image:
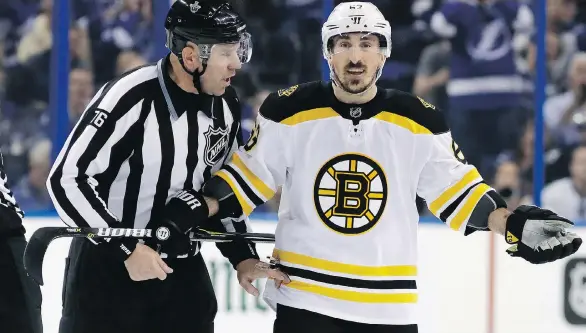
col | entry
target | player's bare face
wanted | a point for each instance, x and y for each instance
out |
(221, 68)
(355, 60)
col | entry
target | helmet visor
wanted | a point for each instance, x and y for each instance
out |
(241, 50)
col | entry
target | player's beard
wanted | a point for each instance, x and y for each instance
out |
(353, 86)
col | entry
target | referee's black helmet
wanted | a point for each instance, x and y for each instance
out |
(206, 23)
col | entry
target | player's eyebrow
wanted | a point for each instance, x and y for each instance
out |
(367, 37)
(344, 36)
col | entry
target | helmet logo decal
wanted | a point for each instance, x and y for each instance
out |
(356, 19)
(194, 7)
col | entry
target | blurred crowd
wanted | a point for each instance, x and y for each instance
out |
(474, 59)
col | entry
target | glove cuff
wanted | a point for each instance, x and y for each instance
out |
(187, 210)
(241, 251)
(122, 248)
(514, 228)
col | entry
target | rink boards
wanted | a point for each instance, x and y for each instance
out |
(465, 286)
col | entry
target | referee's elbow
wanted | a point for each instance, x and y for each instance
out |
(51, 179)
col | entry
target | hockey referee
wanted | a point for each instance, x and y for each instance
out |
(136, 159)
(20, 296)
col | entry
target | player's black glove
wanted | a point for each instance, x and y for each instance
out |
(183, 212)
(539, 235)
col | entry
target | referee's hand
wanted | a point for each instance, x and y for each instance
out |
(145, 264)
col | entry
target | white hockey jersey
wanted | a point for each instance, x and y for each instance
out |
(347, 229)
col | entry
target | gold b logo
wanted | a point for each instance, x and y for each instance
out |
(350, 193)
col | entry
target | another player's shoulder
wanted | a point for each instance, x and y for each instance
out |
(415, 109)
(286, 103)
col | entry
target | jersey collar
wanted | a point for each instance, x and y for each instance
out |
(178, 100)
(355, 112)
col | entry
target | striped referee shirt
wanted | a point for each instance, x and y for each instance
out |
(10, 213)
(141, 140)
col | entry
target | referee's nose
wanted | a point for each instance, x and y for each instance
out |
(235, 63)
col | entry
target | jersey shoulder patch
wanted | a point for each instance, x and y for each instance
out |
(285, 103)
(416, 109)
(287, 92)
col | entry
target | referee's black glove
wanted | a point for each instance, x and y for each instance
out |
(539, 235)
(183, 212)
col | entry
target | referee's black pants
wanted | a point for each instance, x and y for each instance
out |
(292, 320)
(100, 297)
(20, 296)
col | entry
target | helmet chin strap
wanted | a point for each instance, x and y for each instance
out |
(195, 75)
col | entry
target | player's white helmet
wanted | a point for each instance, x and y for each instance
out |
(350, 17)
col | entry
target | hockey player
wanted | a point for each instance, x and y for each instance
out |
(20, 296)
(143, 147)
(351, 158)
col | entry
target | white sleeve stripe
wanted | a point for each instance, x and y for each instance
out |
(74, 196)
(122, 86)
(87, 193)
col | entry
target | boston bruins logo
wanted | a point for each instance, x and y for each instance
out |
(350, 193)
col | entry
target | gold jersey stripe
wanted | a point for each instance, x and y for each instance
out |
(309, 115)
(353, 296)
(401, 121)
(468, 206)
(246, 207)
(448, 194)
(254, 180)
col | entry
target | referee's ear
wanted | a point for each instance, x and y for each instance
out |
(191, 59)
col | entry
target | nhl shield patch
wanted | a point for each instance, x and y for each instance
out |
(216, 145)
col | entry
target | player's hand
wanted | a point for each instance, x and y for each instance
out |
(145, 264)
(539, 235)
(252, 269)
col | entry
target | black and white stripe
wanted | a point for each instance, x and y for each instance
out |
(353, 282)
(122, 173)
(7, 197)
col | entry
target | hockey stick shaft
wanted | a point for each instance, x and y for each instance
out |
(42, 237)
(196, 235)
